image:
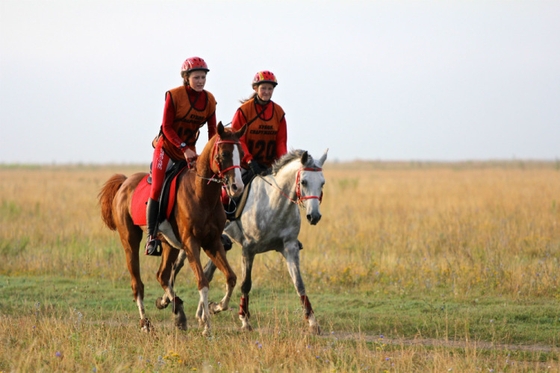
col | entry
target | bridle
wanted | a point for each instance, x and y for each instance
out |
(219, 177)
(299, 197)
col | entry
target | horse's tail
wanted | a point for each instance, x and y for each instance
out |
(106, 196)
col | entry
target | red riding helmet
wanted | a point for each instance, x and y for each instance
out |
(264, 76)
(193, 64)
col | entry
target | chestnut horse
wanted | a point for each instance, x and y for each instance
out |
(196, 221)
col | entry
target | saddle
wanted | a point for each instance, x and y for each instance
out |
(167, 198)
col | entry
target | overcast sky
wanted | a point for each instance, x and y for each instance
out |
(84, 81)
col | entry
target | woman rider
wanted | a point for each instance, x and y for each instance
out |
(187, 108)
(266, 137)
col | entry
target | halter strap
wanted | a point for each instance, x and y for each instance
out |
(301, 198)
(219, 178)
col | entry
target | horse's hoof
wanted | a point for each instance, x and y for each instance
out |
(212, 307)
(315, 329)
(180, 320)
(145, 325)
(160, 305)
(181, 323)
(247, 328)
(215, 308)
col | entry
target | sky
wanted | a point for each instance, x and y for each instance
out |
(83, 82)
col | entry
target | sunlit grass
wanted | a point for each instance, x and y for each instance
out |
(465, 253)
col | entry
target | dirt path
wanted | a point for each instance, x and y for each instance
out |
(441, 343)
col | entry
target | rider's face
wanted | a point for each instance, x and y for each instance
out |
(197, 80)
(264, 91)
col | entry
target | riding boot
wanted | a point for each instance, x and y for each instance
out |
(226, 241)
(153, 245)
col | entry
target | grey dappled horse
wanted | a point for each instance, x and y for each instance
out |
(271, 221)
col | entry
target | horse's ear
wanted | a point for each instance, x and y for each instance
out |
(221, 129)
(241, 131)
(323, 158)
(304, 158)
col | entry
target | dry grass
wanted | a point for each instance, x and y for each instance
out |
(481, 229)
(469, 230)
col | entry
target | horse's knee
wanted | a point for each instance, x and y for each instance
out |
(232, 280)
(202, 283)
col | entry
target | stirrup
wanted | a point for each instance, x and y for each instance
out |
(153, 247)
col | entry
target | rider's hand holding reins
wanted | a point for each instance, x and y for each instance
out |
(190, 155)
(257, 170)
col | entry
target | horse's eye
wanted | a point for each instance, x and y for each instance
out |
(304, 182)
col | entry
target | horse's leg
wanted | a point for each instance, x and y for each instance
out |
(217, 256)
(210, 267)
(209, 270)
(130, 240)
(171, 263)
(291, 254)
(246, 284)
(192, 249)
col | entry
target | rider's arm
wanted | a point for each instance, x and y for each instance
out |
(237, 122)
(167, 123)
(282, 139)
(211, 123)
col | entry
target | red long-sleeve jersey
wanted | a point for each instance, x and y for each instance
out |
(266, 137)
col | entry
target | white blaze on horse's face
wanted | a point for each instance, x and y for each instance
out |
(235, 185)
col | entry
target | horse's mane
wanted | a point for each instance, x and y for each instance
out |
(289, 157)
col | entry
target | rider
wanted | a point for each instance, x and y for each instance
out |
(187, 108)
(266, 137)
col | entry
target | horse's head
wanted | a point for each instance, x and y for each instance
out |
(226, 159)
(309, 185)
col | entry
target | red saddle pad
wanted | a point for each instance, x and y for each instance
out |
(140, 199)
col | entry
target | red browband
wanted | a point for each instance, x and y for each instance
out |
(299, 197)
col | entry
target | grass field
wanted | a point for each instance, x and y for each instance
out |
(414, 267)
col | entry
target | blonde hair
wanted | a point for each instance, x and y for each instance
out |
(254, 95)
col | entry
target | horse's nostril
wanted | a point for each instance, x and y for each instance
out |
(234, 187)
(313, 219)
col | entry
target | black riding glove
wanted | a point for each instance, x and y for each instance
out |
(254, 166)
